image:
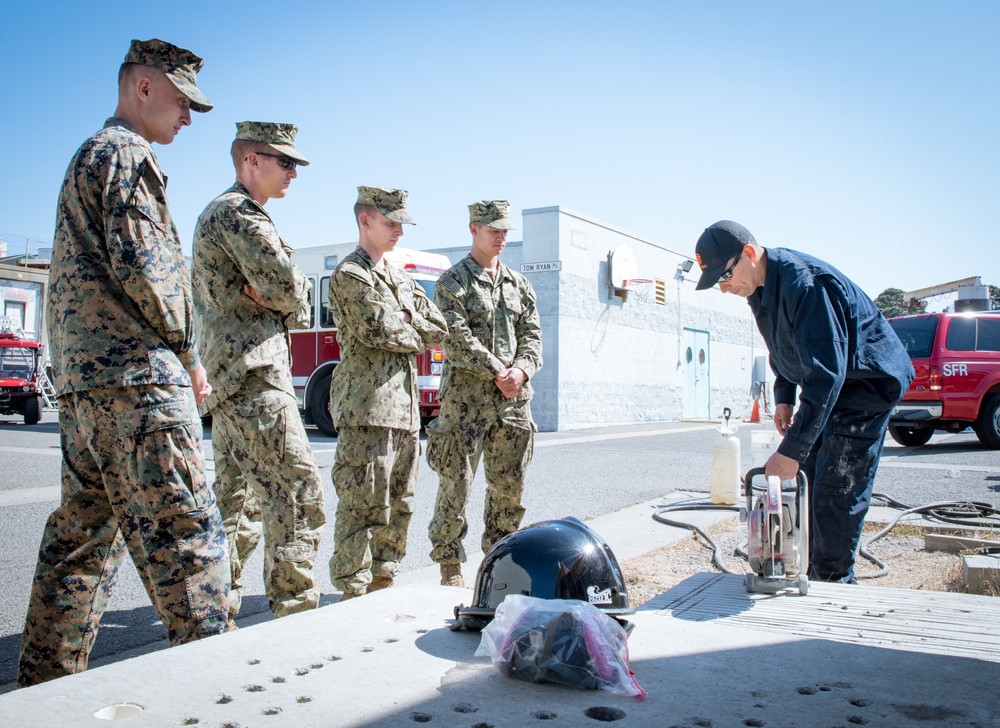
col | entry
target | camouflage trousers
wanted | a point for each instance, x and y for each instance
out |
(503, 437)
(267, 482)
(133, 478)
(374, 473)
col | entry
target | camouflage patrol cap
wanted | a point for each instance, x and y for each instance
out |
(180, 66)
(492, 213)
(280, 137)
(390, 202)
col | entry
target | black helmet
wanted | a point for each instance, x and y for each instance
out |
(561, 559)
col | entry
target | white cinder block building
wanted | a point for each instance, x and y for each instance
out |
(652, 349)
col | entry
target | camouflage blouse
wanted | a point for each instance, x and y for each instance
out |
(119, 307)
(375, 383)
(235, 243)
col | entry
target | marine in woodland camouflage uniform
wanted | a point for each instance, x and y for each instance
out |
(384, 319)
(247, 295)
(493, 349)
(127, 376)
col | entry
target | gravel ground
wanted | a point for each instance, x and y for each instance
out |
(910, 567)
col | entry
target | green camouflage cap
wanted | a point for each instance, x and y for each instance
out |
(180, 65)
(492, 213)
(390, 202)
(280, 137)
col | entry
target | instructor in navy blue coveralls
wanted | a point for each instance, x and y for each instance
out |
(826, 338)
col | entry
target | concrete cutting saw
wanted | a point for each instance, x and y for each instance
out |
(777, 533)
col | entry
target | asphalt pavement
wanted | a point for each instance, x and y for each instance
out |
(583, 473)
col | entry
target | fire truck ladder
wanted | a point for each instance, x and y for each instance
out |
(48, 391)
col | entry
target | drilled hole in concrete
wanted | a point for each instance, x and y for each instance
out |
(421, 717)
(825, 689)
(464, 708)
(857, 720)
(759, 694)
(254, 688)
(702, 722)
(223, 699)
(422, 631)
(389, 640)
(482, 725)
(860, 702)
(604, 713)
(254, 661)
(190, 721)
(272, 710)
(303, 699)
(545, 715)
(301, 671)
(316, 666)
(277, 679)
(754, 723)
(400, 618)
(367, 649)
(119, 711)
(229, 725)
(806, 691)
(334, 658)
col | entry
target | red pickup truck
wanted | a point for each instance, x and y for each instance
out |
(957, 361)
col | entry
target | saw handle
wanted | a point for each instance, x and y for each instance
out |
(800, 480)
(773, 495)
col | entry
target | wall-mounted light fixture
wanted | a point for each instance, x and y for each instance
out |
(686, 265)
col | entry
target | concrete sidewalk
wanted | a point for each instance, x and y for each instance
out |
(707, 653)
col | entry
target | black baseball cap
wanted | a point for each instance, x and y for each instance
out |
(717, 246)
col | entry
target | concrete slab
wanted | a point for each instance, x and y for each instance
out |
(389, 660)
(981, 573)
(707, 653)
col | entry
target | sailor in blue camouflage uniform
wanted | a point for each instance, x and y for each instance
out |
(247, 295)
(828, 341)
(493, 349)
(384, 320)
(127, 376)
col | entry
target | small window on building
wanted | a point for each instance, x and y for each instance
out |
(961, 335)
(15, 311)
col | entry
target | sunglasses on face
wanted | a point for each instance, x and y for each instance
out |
(729, 271)
(283, 161)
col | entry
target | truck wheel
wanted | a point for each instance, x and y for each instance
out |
(987, 425)
(319, 407)
(32, 412)
(911, 436)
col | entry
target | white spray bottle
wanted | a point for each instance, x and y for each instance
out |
(725, 487)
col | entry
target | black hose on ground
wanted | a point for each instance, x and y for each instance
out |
(958, 513)
(696, 505)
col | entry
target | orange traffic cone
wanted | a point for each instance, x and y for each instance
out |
(755, 412)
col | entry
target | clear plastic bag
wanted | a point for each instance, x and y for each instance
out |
(559, 640)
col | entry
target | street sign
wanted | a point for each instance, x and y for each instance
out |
(541, 267)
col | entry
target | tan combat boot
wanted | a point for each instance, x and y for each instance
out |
(382, 581)
(451, 575)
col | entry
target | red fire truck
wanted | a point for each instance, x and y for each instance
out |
(315, 351)
(20, 390)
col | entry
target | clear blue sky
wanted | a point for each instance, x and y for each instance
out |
(862, 132)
